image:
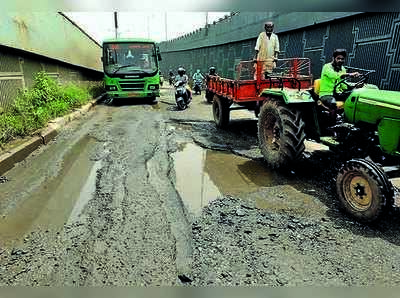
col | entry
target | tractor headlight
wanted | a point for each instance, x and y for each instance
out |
(111, 88)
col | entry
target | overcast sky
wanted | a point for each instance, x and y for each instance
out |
(159, 26)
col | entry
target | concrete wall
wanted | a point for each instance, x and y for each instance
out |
(43, 41)
(49, 34)
(372, 41)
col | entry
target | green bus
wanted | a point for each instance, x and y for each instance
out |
(131, 68)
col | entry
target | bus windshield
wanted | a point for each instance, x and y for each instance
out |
(123, 58)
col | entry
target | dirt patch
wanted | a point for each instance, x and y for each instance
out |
(236, 243)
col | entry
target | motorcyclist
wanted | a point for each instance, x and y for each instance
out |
(182, 76)
(197, 75)
(198, 79)
(171, 77)
(212, 71)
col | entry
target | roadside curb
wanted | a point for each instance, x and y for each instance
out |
(42, 137)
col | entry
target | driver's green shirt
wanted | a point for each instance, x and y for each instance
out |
(329, 77)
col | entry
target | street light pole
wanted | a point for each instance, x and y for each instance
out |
(206, 31)
(148, 27)
(116, 24)
(166, 28)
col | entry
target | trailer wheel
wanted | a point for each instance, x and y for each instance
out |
(364, 190)
(221, 112)
(280, 134)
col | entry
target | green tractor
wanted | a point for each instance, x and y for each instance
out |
(366, 136)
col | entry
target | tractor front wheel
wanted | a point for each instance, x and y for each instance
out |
(280, 133)
(364, 190)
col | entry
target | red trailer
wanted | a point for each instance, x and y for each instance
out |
(246, 91)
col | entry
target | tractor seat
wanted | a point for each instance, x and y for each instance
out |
(317, 84)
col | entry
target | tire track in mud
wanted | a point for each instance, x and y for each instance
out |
(97, 225)
(122, 235)
(159, 171)
(118, 174)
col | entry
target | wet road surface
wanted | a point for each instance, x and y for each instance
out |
(144, 194)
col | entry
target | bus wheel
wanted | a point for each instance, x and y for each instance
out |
(107, 99)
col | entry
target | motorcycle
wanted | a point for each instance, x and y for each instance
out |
(197, 86)
(181, 95)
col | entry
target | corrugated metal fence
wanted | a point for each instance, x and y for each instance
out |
(371, 39)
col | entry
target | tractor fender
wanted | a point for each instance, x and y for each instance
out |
(290, 96)
(389, 134)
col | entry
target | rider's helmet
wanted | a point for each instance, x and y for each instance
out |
(181, 71)
(211, 71)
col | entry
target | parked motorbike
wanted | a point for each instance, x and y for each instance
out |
(197, 86)
(181, 95)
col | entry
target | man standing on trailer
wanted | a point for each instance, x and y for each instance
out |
(267, 49)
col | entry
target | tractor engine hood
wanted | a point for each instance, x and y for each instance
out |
(381, 97)
(372, 106)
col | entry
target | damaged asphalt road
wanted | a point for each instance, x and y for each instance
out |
(142, 195)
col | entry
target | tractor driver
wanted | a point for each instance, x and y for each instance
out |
(331, 74)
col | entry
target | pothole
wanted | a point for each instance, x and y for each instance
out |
(203, 175)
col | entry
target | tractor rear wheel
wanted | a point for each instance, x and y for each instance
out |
(220, 111)
(364, 189)
(280, 133)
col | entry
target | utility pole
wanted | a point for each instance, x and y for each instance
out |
(166, 28)
(116, 24)
(206, 32)
(148, 27)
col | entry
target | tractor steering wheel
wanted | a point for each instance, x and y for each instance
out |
(349, 86)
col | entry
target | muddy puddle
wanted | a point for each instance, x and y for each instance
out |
(58, 199)
(203, 175)
(156, 106)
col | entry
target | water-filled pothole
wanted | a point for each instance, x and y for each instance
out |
(203, 175)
